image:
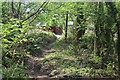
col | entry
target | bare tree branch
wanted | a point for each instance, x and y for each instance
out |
(18, 11)
(34, 12)
(38, 13)
(12, 5)
(55, 8)
(14, 11)
(33, 8)
(24, 11)
(27, 8)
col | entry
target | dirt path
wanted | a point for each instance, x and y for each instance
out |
(36, 70)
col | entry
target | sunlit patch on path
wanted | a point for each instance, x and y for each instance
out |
(58, 36)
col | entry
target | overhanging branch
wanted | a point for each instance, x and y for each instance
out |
(34, 12)
(38, 13)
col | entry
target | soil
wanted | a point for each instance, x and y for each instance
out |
(35, 69)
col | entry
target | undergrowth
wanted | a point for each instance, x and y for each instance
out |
(77, 61)
(17, 44)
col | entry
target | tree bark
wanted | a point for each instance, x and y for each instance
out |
(80, 24)
(114, 13)
(118, 46)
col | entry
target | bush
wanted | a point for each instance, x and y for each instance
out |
(12, 53)
(17, 44)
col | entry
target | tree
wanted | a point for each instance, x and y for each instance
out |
(80, 24)
(22, 11)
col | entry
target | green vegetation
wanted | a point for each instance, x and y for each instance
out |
(73, 61)
(17, 44)
(89, 46)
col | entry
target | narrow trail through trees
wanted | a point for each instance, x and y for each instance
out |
(36, 70)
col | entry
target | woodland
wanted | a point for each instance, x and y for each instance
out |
(83, 44)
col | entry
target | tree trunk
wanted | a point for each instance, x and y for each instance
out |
(4, 12)
(80, 24)
(100, 35)
(118, 46)
(114, 13)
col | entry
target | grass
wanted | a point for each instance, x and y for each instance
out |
(75, 61)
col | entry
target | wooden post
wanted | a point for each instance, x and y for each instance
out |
(66, 26)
